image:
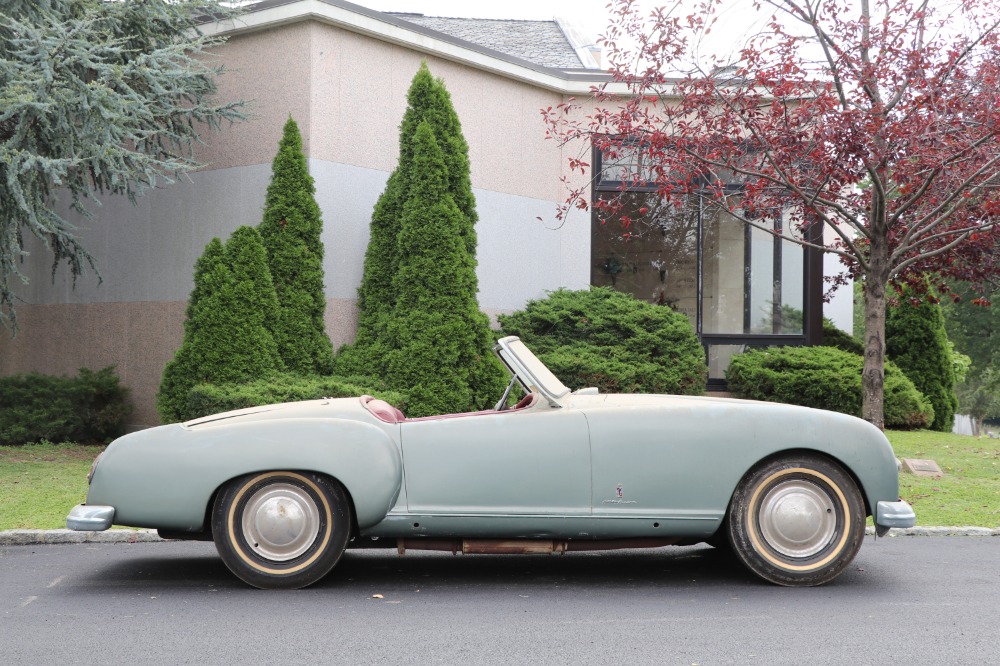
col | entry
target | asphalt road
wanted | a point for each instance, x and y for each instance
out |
(905, 600)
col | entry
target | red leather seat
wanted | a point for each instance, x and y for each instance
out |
(382, 410)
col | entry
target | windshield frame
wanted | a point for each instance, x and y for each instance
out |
(531, 373)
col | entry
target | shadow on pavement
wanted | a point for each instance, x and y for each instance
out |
(667, 569)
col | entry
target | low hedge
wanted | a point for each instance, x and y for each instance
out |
(89, 408)
(826, 378)
(611, 340)
(205, 399)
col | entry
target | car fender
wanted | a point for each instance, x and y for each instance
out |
(166, 477)
(696, 450)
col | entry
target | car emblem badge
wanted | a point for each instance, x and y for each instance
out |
(619, 495)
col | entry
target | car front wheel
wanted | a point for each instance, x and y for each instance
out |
(797, 520)
(281, 529)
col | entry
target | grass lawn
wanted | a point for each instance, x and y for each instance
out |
(40, 483)
(969, 491)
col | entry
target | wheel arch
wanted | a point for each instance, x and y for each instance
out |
(171, 482)
(222, 486)
(791, 452)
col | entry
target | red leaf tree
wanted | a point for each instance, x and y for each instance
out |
(872, 125)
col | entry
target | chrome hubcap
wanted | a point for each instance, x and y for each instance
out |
(797, 519)
(280, 522)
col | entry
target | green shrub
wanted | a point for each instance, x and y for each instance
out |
(206, 399)
(227, 338)
(440, 339)
(611, 340)
(291, 231)
(825, 378)
(428, 101)
(916, 341)
(419, 323)
(91, 407)
(834, 337)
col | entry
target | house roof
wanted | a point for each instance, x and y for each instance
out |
(542, 42)
(576, 80)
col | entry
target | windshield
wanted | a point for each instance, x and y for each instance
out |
(530, 371)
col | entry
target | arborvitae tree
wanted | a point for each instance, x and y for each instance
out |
(435, 328)
(380, 334)
(178, 375)
(253, 310)
(428, 100)
(916, 341)
(376, 297)
(291, 231)
(226, 335)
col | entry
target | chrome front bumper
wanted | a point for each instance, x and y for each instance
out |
(88, 518)
(893, 514)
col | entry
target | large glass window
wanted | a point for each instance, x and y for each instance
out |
(739, 284)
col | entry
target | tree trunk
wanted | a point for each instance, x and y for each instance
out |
(873, 374)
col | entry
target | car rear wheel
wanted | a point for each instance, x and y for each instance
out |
(281, 529)
(797, 520)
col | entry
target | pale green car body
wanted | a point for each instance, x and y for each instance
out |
(571, 466)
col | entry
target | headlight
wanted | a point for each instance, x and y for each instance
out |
(93, 466)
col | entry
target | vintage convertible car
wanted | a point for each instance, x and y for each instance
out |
(284, 489)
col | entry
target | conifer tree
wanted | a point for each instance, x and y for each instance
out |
(226, 335)
(384, 312)
(252, 308)
(178, 374)
(375, 295)
(435, 327)
(916, 341)
(427, 100)
(291, 231)
(429, 332)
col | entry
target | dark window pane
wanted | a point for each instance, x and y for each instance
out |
(654, 257)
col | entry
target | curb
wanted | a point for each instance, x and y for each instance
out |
(38, 537)
(932, 531)
(44, 537)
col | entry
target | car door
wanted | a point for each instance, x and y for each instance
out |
(662, 466)
(530, 462)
